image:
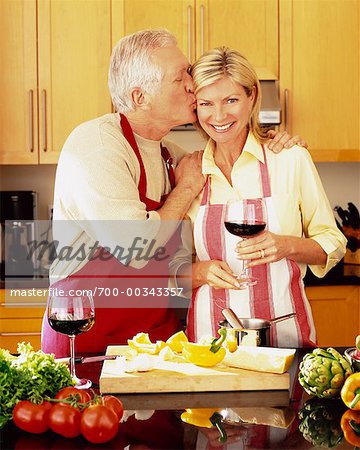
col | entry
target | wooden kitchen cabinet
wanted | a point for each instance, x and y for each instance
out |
(200, 25)
(319, 70)
(21, 321)
(18, 82)
(336, 312)
(177, 16)
(55, 56)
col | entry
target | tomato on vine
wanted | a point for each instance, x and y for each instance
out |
(31, 417)
(65, 420)
(73, 395)
(114, 404)
(99, 424)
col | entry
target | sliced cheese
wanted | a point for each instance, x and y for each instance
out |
(261, 359)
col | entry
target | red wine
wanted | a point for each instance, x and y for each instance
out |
(245, 228)
(71, 327)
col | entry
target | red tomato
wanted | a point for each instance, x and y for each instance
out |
(99, 424)
(65, 420)
(83, 396)
(30, 417)
(114, 404)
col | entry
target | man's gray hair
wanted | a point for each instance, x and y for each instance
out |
(131, 66)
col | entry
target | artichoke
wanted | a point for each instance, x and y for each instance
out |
(323, 372)
(320, 422)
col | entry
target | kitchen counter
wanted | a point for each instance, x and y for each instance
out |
(157, 423)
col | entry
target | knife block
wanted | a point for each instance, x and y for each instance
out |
(352, 257)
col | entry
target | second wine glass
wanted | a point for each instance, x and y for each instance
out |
(72, 315)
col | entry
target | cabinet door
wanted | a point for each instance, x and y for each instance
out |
(21, 319)
(251, 27)
(18, 82)
(336, 314)
(319, 66)
(74, 48)
(177, 16)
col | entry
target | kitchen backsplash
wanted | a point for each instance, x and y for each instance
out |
(341, 180)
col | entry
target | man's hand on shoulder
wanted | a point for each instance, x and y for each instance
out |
(282, 139)
(188, 173)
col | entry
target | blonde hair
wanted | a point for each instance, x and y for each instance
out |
(223, 62)
(131, 66)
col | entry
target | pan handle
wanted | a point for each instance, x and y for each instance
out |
(281, 318)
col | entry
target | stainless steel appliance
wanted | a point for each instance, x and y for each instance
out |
(18, 213)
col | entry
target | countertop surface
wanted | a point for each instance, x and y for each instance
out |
(154, 421)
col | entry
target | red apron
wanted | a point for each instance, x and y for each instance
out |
(116, 325)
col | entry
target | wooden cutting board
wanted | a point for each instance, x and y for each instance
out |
(168, 376)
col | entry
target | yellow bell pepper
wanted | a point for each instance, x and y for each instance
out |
(200, 417)
(206, 418)
(350, 392)
(350, 424)
(201, 355)
(142, 344)
(206, 355)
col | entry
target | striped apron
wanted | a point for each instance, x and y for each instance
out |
(279, 289)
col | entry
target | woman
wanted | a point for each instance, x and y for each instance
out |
(283, 190)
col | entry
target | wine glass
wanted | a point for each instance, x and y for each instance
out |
(240, 221)
(72, 315)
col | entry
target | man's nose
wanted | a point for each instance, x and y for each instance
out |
(189, 84)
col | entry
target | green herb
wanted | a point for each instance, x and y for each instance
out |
(29, 376)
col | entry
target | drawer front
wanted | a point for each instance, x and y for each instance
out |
(10, 312)
(10, 341)
(20, 325)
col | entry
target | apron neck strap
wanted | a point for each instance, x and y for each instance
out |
(264, 174)
(129, 136)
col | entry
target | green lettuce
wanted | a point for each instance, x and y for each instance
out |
(29, 376)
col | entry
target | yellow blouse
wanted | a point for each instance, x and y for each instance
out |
(299, 197)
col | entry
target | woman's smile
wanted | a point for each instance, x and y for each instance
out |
(222, 128)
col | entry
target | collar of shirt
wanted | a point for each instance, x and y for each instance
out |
(251, 147)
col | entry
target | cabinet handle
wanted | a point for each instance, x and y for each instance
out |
(31, 121)
(16, 305)
(286, 108)
(44, 120)
(24, 333)
(202, 8)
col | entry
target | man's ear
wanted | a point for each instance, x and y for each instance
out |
(140, 99)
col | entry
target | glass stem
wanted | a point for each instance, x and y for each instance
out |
(246, 270)
(72, 356)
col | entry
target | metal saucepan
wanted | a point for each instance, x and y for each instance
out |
(255, 331)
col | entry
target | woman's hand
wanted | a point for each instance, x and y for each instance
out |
(216, 274)
(264, 248)
(282, 139)
(268, 247)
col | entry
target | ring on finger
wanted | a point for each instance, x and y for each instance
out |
(262, 253)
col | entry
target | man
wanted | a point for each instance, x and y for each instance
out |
(120, 167)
